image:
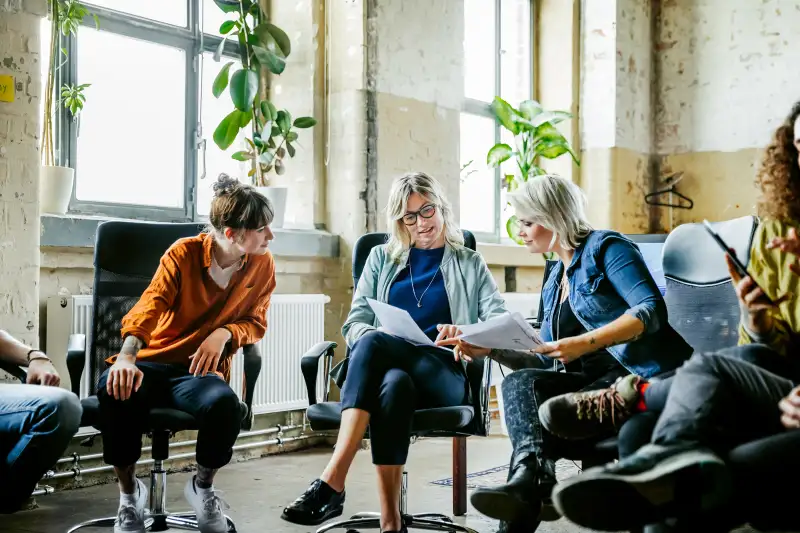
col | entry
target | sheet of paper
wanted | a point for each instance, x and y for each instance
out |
(399, 323)
(506, 332)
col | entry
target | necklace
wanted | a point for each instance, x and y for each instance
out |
(411, 273)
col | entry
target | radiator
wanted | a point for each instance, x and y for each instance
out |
(295, 322)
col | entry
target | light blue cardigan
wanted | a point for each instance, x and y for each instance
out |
(470, 288)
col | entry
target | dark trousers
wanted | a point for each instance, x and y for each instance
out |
(208, 398)
(638, 430)
(720, 402)
(36, 425)
(391, 378)
(526, 389)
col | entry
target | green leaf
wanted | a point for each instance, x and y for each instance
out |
(284, 122)
(220, 48)
(290, 149)
(505, 114)
(498, 153)
(280, 152)
(266, 158)
(228, 6)
(228, 129)
(512, 184)
(551, 117)
(280, 168)
(305, 122)
(268, 110)
(96, 21)
(530, 109)
(243, 156)
(269, 59)
(226, 27)
(221, 81)
(245, 120)
(244, 86)
(274, 39)
(512, 228)
(291, 137)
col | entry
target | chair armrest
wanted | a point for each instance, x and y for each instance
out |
(309, 365)
(15, 370)
(76, 360)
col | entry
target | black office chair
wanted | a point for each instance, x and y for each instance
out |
(462, 421)
(126, 256)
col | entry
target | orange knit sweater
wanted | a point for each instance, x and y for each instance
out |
(183, 305)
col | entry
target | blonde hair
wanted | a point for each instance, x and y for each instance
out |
(431, 190)
(556, 204)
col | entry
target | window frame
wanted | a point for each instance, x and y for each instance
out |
(193, 42)
(472, 106)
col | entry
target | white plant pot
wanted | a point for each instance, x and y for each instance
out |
(277, 197)
(55, 189)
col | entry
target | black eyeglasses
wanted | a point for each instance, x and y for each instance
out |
(410, 218)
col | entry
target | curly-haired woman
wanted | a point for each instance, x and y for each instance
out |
(716, 401)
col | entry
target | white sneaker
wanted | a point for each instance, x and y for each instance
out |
(208, 506)
(130, 518)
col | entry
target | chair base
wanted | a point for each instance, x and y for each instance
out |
(424, 521)
(161, 522)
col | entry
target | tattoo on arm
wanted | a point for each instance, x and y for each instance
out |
(592, 341)
(623, 341)
(131, 345)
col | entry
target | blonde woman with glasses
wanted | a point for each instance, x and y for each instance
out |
(425, 269)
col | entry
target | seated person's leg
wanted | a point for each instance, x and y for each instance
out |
(219, 415)
(36, 425)
(636, 432)
(370, 358)
(123, 422)
(532, 471)
(715, 403)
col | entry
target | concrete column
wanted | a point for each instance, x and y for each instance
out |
(20, 124)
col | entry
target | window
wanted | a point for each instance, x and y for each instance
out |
(498, 61)
(142, 147)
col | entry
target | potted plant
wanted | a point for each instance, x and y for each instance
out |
(535, 135)
(56, 181)
(263, 49)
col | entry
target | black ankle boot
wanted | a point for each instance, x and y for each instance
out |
(546, 481)
(519, 499)
(317, 504)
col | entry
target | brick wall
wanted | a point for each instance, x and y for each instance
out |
(19, 168)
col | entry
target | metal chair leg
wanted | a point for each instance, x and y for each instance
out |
(432, 516)
(365, 515)
(434, 525)
(369, 523)
(182, 523)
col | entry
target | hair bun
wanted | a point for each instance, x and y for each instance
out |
(225, 185)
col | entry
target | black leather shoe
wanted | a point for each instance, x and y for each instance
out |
(518, 499)
(317, 504)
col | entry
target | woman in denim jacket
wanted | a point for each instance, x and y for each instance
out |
(426, 270)
(604, 318)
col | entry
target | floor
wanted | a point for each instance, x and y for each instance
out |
(258, 490)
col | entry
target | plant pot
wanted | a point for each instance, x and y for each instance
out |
(277, 197)
(55, 189)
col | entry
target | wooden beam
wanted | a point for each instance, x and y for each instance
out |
(459, 476)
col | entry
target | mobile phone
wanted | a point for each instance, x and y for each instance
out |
(740, 268)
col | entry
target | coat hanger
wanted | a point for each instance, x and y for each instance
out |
(654, 198)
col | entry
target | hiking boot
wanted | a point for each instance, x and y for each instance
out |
(583, 415)
(655, 483)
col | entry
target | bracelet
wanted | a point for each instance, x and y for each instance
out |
(29, 358)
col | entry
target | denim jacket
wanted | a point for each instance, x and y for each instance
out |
(471, 290)
(607, 279)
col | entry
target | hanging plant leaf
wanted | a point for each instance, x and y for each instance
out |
(269, 59)
(221, 81)
(290, 149)
(228, 129)
(274, 39)
(228, 6)
(243, 156)
(244, 86)
(498, 154)
(226, 27)
(284, 122)
(268, 110)
(305, 122)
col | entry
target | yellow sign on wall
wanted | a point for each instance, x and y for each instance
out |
(6, 88)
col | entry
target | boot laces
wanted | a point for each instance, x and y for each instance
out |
(605, 403)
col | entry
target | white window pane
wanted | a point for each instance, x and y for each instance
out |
(479, 49)
(515, 51)
(169, 11)
(131, 141)
(213, 17)
(478, 185)
(213, 110)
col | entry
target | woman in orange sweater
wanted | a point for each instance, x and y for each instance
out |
(208, 298)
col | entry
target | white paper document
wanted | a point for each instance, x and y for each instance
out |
(506, 332)
(399, 323)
